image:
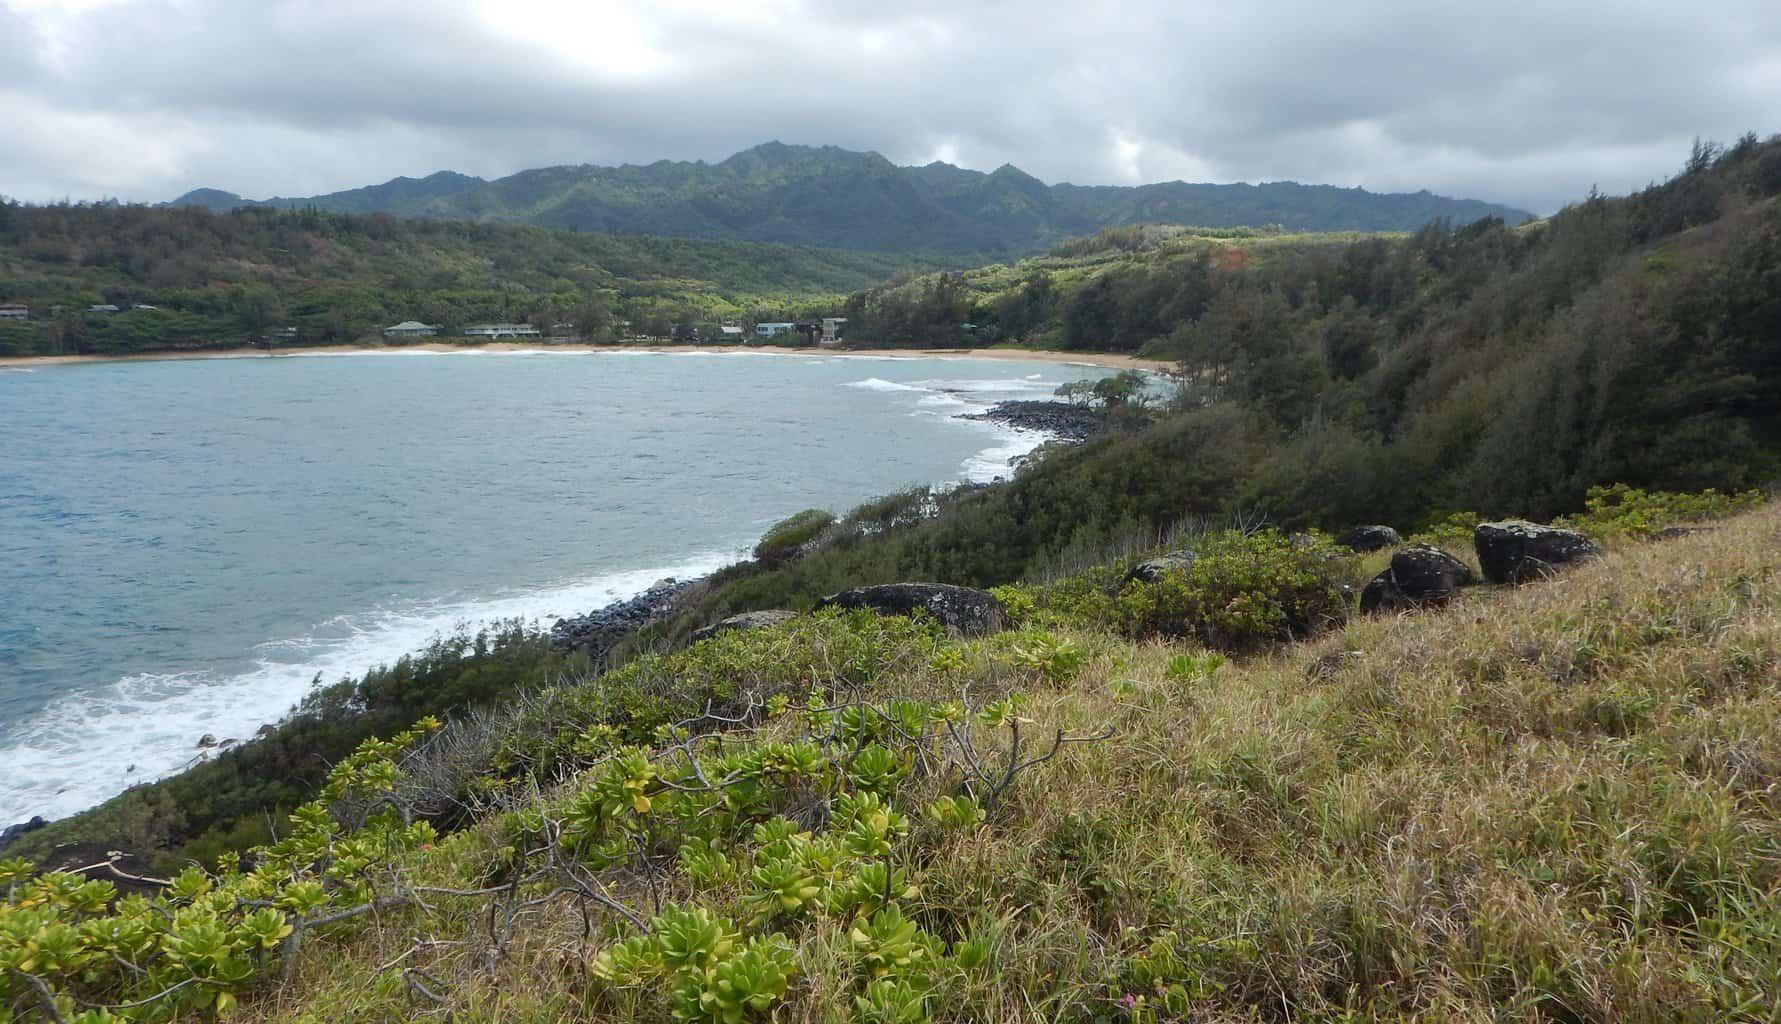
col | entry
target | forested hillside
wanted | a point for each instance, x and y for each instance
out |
(832, 197)
(1484, 366)
(227, 279)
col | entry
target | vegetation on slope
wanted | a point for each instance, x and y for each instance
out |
(1628, 340)
(1552, 802)
(224, 280)
(827, 196)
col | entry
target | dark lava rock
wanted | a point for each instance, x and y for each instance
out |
(12, 832)
(206, 741)
(598, 632)
(745, 621)
(1370, 538)
(972, 612)
(1066, 421)
(1515, 551)
(1154, 569)
(1417, 576)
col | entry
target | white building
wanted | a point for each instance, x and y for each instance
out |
(833, 327)
(410, 329)
(15, 312)
(502, 331)
(103, 308)
(728, 333)
(773, 330)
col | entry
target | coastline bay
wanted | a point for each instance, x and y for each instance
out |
(191, 543)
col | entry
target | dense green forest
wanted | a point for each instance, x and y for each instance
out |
(832, 197)
(231, 279)
(1414, 381)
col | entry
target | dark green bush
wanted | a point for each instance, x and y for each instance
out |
(1242, 591)
(788, 535)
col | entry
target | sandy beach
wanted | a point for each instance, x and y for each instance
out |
(1110, 360)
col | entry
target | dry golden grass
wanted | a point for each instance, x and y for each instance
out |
(1559, 802)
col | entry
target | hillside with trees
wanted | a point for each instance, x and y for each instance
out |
(837, 198)
(222, 280)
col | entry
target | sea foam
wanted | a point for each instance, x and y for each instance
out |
(86, 748)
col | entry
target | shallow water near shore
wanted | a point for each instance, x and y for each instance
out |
(186, 546)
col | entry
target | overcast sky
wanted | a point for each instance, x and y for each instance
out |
(1528, 103)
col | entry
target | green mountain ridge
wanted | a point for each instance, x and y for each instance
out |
(838, 198)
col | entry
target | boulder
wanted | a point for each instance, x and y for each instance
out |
(12, 832)
(1153, 570)
(745, 621)
(1417, 576)
(972, 612)
(207, 741)
(1515, 551)
(1370, 538)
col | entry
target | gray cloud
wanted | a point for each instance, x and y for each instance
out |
(1524, 102)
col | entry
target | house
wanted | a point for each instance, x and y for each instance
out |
(410, 329)
(282, 335)
(103, 308)
(502, 331)
(728, 333)
(773, 330)
(14, 312)
(140, 305)
(562, 330)
(833, 328)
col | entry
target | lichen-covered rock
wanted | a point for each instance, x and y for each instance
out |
(1419, 575)
(1515, 551)
(745, 621)
(971, 612)
(1370, 538)
(1154, 569)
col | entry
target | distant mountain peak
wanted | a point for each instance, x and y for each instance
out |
(840, 198)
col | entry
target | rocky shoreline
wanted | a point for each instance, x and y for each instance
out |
(598, 632)
(1065, 422)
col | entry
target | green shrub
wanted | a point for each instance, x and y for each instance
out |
(788, 535)
(1241, 591)
(1621, 509)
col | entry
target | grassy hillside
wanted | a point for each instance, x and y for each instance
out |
(827, 196)
(226, 279)
(1553, 802)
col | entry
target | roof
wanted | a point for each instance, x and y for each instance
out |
(412, 325)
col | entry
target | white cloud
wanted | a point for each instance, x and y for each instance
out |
(1523, 102)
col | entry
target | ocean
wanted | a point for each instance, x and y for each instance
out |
(188, 546)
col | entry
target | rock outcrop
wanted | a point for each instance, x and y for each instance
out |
(598, 632)
(745, 621)
(1061, 419)
(1515, 551)
(1370, 538)
(1154, 569)
(11, 832)
(971, 612)
(1418, 575)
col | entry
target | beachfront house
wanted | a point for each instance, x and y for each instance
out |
(15, 312)
(410, 329)
(729, 334)
(773, 330)
(492, 331)
(834, 328)
(104, 307)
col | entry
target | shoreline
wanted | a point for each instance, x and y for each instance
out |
(1107, 360)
